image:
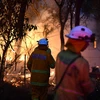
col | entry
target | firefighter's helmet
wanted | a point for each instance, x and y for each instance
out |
(43, 41)
(81, 33)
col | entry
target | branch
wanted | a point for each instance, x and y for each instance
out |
(57, 3)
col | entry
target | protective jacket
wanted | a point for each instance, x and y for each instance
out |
(39, 65)
(76, 83)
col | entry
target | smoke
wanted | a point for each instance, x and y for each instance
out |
(44, 15)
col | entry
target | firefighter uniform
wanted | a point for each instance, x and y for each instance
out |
(76, 84)
(39, 65)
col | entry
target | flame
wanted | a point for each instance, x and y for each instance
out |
(22, 58)
(24, 47)
(13, 80)
(28, 75)
(52, 73)
(8, 58)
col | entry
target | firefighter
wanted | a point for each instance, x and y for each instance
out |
(39, 64)
(76, 83)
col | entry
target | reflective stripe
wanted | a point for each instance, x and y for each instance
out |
(39, 84)
(41, 71)
(71, 91)
(39, 56)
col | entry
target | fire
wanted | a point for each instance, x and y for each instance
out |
(22, 58)
(8, 59)
(17, 79)
(52, 73)
(23, 48)
(13, 80)
(28, 75)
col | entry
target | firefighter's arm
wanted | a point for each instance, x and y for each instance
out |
(86, 83)
(51, 60)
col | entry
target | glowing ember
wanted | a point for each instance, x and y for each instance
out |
(26, 76)
(52, 73)
(13, 80)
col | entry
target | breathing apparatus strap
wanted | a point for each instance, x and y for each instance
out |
(65, 72)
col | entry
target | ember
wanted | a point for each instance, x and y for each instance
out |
(21, 75)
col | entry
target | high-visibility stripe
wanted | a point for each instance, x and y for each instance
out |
(41, 71)
(39, 84)
(39, 56)
(71, 91)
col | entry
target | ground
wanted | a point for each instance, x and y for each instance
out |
(9, 92)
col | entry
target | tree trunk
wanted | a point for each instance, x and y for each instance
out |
(62, 37)
(2, 68)
(3, 64)
(21, 18)
(77, 12)
(3, 59)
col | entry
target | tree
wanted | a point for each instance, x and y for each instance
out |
(77, 11)
(73, 9)
(64, 11)
(13, 26)
(91, 7)
(67, 8)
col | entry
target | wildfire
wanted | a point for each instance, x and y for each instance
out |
(16, 73)
(19, 79)
(22, 58)
(26, 76)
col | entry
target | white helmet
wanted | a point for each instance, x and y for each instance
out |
(43, 41)
(81, 33)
